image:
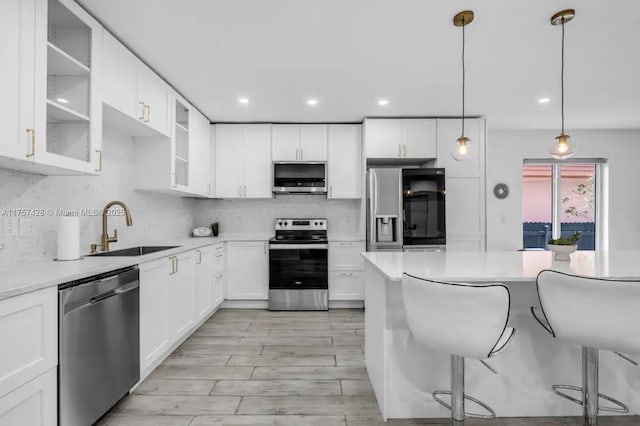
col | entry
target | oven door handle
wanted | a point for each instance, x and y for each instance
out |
(298, 246)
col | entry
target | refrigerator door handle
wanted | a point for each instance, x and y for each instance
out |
(374, 206)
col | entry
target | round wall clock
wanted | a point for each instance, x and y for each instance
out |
(501, 191)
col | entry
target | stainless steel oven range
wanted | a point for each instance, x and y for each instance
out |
(298, 266)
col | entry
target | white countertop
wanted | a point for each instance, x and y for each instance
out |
(502, 266)
(26, 277)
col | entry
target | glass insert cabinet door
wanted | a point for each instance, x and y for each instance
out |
(559, 199)
(72, 113)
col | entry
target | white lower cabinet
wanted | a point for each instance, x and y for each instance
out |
(346, 270)
(32, 404)
(182, 295)
(346, 285)
(247, 270)
(28, 379)
(29, 325)
(205, 279)
(154, 310)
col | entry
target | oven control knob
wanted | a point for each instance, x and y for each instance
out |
(285, 223)
(280, 223)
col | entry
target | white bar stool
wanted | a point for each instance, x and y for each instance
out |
(595, 314)
(464, 320)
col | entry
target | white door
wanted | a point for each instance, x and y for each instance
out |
(383, 138)
(205, 276)
(199, 155)
(182, 295)
(346, 285)
(32, 404)
(229, 160)
(154, 310)
(313, 142)
(119, 76)
(419, 137)
(345, 161)
(257, 161)
(247, 270)
(17, 78)
(286, 142)
(153, 100)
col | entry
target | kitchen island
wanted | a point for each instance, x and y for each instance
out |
(404, 374)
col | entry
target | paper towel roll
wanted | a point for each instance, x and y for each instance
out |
(68, 238)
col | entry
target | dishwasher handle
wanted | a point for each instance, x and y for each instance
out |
(108, 294)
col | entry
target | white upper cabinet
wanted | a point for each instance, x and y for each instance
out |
(153, 100)
(119, 76)
(345, 161)
(383, 138)
(257, 165)
(243, 161)
(313, 142)
(228, 158)
(419, 137)
(51, 119)
(411, 138)
(133, 89)
(285, 142)
(299, 142)
(200, 155)
(17, 77)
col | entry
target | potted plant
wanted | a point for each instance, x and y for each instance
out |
(562, 247)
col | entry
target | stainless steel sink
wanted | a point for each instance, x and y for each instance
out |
(134, 251)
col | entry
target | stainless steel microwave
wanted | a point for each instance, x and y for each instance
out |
(300, 178)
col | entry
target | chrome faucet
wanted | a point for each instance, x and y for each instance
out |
(106, 239)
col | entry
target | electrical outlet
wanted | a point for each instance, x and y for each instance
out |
(26, 225)
(11, 227)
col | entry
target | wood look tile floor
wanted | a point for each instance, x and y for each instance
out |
(255, 367)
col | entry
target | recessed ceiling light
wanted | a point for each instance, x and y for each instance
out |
(312, 102)
(544, 100)
(243, 101)
(62, 100)
(383, 102)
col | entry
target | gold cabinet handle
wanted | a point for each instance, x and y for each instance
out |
(173, 265)
(177, 263)
(199, 261)
(399, 150)
(99, 169)
(302, 153)
(143, 110)
(33, 142)
(147, 113)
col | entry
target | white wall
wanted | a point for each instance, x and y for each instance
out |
(506, 150)
(257, 216)
(155, 217)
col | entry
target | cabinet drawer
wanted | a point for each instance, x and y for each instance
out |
(346, 285)
(345, 256)
(29, 336)
(33, 404)
(218, 261)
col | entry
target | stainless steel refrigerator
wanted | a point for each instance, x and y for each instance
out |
(406, 209)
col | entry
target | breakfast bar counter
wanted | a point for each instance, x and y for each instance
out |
(404, 374)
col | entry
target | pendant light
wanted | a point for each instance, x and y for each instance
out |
(562, 149)
(461, 149)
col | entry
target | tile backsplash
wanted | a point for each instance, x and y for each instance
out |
(155, 216)
(257, 216)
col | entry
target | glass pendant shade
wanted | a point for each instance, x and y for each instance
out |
(562, 149)
(461, 148)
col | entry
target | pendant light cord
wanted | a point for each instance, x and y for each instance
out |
(463, 75)
(562, 80)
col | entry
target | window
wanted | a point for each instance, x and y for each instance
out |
(560, 198)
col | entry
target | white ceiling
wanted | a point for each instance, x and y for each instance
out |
(350, 53)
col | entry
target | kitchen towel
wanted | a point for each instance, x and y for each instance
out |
(68, 238)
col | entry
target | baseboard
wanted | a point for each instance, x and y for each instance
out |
(346, 304)
(245, 304)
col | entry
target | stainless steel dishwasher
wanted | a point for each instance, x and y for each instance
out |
(99, 344)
